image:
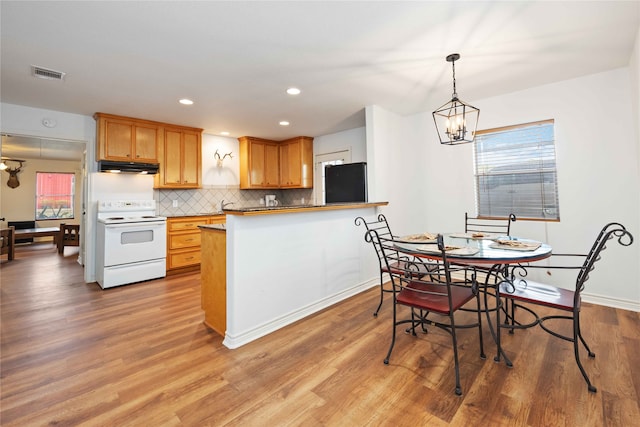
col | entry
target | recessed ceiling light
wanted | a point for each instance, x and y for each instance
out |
(225, 133)
(284, 123)
(186, 101)
(293, 91)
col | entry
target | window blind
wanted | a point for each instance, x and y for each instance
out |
(515, 172)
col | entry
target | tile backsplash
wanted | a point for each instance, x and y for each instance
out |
(207, 200)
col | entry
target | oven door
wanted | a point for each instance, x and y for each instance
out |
(134, 242)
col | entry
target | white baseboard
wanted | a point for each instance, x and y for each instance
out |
(280, 322)
(611, 302)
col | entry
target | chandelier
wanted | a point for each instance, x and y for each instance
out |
(456, 121)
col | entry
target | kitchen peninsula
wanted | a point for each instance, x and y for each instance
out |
(282, 264)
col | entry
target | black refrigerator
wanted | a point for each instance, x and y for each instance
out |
(345, 183)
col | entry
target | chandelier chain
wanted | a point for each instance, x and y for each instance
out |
(453, 66)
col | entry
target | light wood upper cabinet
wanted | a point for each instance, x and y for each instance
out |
(271, 164)
(296, 163)
(259, 163)
(181, 158)
(126, 139)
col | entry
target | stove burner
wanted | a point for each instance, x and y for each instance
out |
(115, 218)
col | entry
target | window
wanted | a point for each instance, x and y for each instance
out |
(515, 172)
(55, 195)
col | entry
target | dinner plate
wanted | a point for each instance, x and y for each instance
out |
(477, 236)
(451, 250)
(418, 238)
(515, 245)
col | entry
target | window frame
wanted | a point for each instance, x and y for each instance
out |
(511, 176)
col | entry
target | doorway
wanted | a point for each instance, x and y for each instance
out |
(43, 155)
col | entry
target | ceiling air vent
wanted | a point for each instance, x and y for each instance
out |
(45, 73)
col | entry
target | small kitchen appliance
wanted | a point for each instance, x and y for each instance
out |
(131, 242)
(270, 200)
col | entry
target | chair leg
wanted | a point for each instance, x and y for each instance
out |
(393, 335)
(455, 356)
(576, 350)
(375, 314)
(482, 355)
(584, 343)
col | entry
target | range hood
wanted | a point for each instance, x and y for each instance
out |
(127, 167)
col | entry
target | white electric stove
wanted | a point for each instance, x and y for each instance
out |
(131, 242)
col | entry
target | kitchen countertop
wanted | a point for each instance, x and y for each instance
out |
(262, 210)
(195, 214)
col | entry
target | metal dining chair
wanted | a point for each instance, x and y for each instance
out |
(520, 290)
(491, 226)
(381, 226)
(429, 295)
(488, 225)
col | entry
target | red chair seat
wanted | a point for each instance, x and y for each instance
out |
(541, 294)
(436, 300)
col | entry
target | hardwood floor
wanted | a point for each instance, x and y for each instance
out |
(139, 355)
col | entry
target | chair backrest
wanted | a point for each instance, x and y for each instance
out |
(382, 233)
(488, 225)
(407, 271)
(69, 235)
(609, 231)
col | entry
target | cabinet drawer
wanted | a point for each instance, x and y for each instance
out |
(184, 259)
(188, 240)
(183, 225)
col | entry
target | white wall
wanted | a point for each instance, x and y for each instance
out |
(598, 173)
(229, 174)
(281, 268)
(353, 139)
(397, 168)
(634, 73)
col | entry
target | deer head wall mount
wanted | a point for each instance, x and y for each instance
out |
(13, 181)
(219, 159)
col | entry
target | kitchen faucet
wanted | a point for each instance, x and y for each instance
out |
(223, 205)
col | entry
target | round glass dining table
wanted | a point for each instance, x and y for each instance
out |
(486, 250)
(492, 254)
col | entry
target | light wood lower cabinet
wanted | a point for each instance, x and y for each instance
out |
(213, 279)
(183, 241)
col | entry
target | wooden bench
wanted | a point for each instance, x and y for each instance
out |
(40, 232)
(8, 242)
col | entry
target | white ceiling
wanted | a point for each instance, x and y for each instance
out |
(235, 59)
